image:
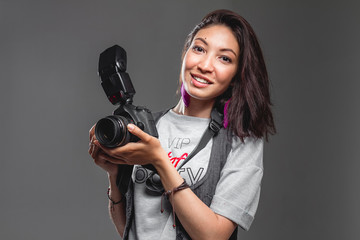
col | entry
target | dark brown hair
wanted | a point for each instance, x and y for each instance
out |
(249, 110)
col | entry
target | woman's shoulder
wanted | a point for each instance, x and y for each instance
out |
(247, 152)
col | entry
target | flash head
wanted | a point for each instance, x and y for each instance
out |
(115, 80)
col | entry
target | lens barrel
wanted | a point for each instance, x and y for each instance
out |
(111, 131)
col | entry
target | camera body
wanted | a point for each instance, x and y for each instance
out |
(111, 131)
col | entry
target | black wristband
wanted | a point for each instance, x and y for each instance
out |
(112, 201)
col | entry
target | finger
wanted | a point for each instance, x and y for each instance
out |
(109, 151)
(92, 151)
(111, 159)
(99, 161)
(138, 132)
(95, 152)
(91, 146)
(92, 132)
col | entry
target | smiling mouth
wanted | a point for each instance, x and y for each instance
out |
(201, 80)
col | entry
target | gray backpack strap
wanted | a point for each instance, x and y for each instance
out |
(214, 127)
(129, 209)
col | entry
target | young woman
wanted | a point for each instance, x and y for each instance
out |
(223, 71)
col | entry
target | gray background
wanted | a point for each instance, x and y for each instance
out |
(50, 97)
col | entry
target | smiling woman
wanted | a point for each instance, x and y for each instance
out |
(208, 157)
(210, 63)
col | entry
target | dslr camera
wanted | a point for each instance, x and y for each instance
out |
(111, 131)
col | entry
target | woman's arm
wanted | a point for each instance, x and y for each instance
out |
(116, 211)
(199, 221)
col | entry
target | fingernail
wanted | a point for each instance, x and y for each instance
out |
(130, 127)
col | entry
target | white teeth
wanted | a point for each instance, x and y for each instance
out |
(200, 80)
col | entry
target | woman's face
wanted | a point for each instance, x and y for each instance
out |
(210, 63)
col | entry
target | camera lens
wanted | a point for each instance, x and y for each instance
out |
(111, 131)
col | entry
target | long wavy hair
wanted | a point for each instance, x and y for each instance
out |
(248, 112)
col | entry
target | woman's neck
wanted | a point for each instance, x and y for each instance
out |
(196, 108)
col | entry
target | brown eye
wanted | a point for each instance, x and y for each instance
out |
(197, 49)
(226, 59)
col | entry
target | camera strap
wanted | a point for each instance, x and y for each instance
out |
(153, 183)
(213, 129)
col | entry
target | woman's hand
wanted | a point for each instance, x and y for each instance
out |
(99, 156)
(147, 150)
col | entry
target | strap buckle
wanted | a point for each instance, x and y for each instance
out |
(214, 126)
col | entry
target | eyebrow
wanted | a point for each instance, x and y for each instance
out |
(223, 49)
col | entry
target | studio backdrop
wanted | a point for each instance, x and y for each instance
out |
(51, 96)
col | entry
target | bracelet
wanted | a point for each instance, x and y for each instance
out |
(169, 193)
(112, 201)
(182, 186)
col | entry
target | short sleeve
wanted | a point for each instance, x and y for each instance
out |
(238, 190)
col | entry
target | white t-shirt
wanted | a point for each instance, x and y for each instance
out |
(237, 192)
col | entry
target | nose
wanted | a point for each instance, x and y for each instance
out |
(206, 64)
